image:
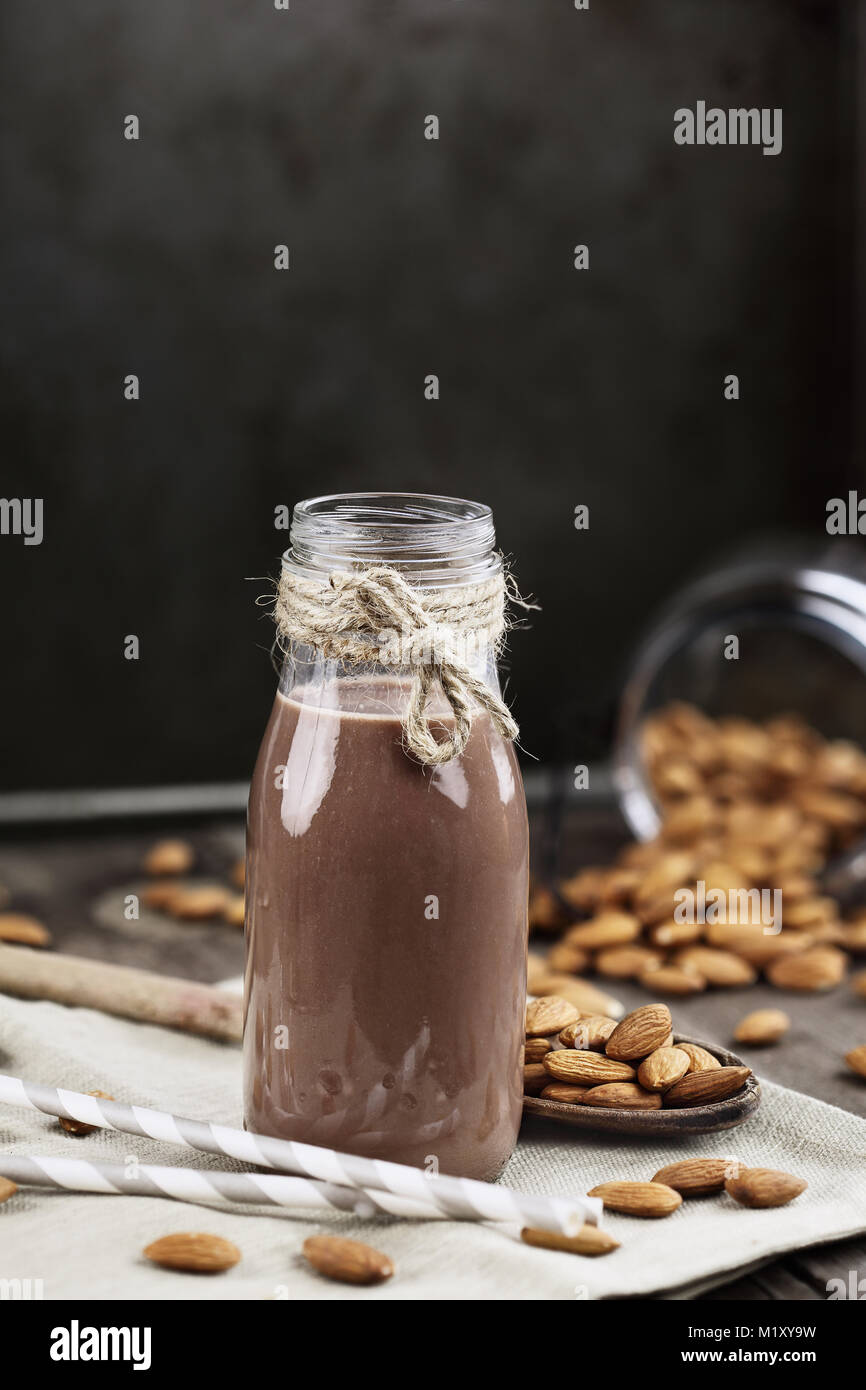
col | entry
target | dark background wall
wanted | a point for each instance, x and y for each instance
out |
(408, 257)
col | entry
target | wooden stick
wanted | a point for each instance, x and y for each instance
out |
(122, 990)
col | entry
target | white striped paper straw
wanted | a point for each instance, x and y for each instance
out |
(460, 1199)
(203, 1185)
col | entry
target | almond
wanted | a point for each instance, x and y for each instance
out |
(626, 962)
(689, 819)
(193, 1251)
(808, 912)
(568, 1095)
(608, 929)
(762, 1026)
(234, 910)
(349, 1261)
(564, 956)
(639, 1033)
(586, 1068)
(858, 984)
(662, 1068)
(583, 890)
(535, 1078)
(672, 979)
(671, 870)
(169, 857)
(794, 886)
(198, 904)
(618, 885)
(828, 933)
(23, 930)
(821, 967)
(706, 1087)
(549, 1014)
(238, 873)
(675, 778)
(160, 895)
(585, 997)
(622, 1095)
(535, 1048)
(7, 1190)
(545, 910)
(720, 968)
(676, 933)
(854, 937)
(761, 948)
(834, 809)
(589, 1240)
(537, 971)
(699, 1058)
(764, 1187)
(637, 1198)
(856, 1059)
(695, 1177)
(589, 1034)
(79, 1126)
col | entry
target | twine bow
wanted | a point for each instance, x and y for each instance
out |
(375, 616)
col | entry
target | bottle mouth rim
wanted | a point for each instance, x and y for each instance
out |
(433, 539)
(406, 510)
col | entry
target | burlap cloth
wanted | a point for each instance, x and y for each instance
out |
(89, 1246)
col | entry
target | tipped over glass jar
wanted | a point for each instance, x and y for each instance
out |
(777, 635)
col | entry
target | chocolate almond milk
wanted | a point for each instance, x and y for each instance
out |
(386, 936)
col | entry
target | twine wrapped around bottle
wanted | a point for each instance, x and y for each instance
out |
(375, 615)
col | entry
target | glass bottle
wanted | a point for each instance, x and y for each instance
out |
(386, 900)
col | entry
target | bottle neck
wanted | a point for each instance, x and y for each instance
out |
(434, 542)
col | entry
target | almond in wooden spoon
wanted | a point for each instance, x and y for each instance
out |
(535, 1078)
(586, 1068)
(662, 1068)
(622, 1095)
(588, 1034)
(639, 1033)
(549, 1014)
(706, 1087)
(699, 1058)
(567, 1095)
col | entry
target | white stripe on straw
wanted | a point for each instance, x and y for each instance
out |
(463, 1199)
(198, 1185)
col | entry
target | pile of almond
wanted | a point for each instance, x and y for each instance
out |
(745, 806)
(631, 1065)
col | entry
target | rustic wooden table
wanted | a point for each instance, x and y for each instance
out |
(76, 881)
